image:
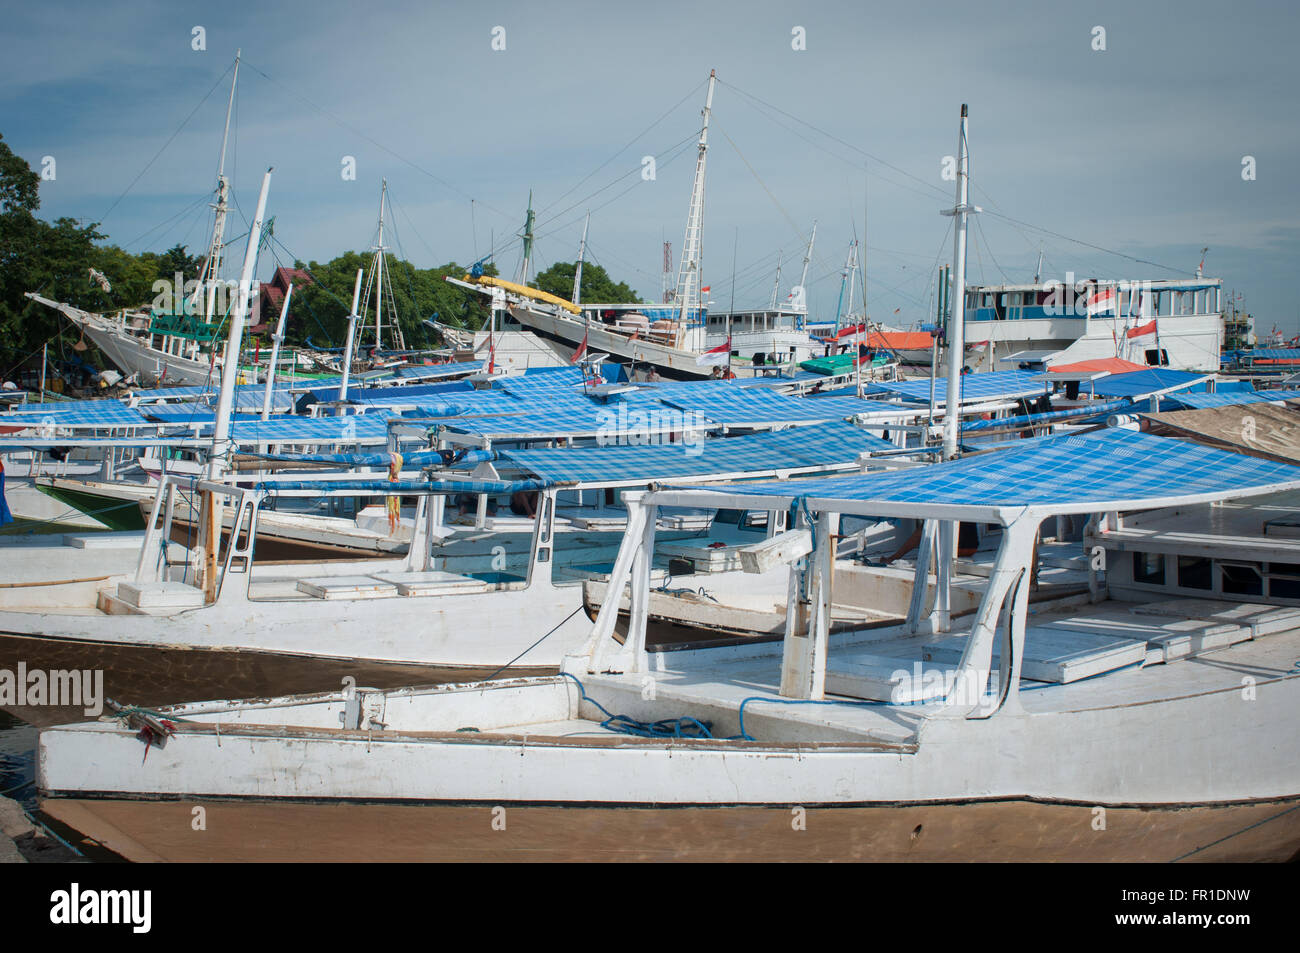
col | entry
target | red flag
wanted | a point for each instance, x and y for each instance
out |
(1141, 330)
(1103, 300)
(582, 349)
(717, 356)
(706, 288)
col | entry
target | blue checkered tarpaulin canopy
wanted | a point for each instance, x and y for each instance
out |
(1202, 401)
(1272, 354)
(820, 446)
(997, 385)
(370, 428)
(759, 406)
(1102, 470)
(1141, 383)
(76, 413)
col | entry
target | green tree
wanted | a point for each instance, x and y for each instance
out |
(597, 286)
(319, 310)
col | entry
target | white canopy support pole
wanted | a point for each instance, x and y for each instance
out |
(1012, 646)
(417, 551)
(276, 340)
(633, 657)
(921, 579)
(803, 659)
(942, 614)
(353, 317)
(601, 642)
(540, 569)
(1012, 564)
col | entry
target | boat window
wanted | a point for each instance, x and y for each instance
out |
(1195, 572)
(1149, 568)
(1284, 580)
(1241, 580)
(1157, 357)
(727, 516)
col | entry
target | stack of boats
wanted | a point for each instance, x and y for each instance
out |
(711, 619)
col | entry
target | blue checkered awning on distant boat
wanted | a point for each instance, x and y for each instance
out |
(998, 385)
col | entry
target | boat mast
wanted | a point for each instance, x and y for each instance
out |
(947, 529)
(353, 318)
(846, 277)
(526, 264)
(238, 315)
(379, 270)
(776, 285)
(577, 271)
(688, 271)
(853, 272)
(803, 275)
(956, 324)
(212, 262)
(276, 340)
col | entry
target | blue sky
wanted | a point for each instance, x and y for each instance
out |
(1136, 149)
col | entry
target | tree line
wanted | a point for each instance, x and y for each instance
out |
(55, 259)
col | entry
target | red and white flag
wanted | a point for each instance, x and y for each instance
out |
(1102, 300)
(582, 349)
(1141, 331)
(706, 288)
(979, 347)
(716, 356)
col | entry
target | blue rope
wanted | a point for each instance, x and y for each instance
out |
(685, 727)
(745, 736)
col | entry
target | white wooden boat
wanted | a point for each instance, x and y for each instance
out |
(1089, 728)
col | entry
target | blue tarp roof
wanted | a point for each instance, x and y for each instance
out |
(1202, 401)
(1272, 354)
(1102, 470)
(817, 446)
(997, 385)
(1137, 383)
(76, 413)
(756, 406)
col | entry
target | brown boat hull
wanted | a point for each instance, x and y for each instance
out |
(1001, 831)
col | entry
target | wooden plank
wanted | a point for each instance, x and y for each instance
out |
(1260, 618)
(346, 587)
(430, 583)
(1056, 655)
(877, 677)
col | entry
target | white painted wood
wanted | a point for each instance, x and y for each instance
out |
(783, 548)
(160, 595)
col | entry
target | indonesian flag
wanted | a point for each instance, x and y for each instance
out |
(979, 347)
(582, 349)
(1102, 300)
(716, 356)
(706, 288)
(1141, 331)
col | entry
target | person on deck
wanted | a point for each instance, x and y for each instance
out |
(523, 503)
